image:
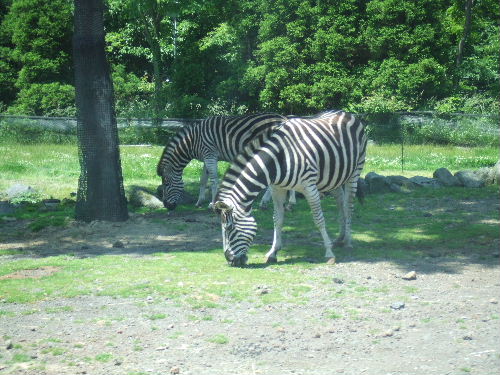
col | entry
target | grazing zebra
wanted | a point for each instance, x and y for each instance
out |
(215, 138)
(307, 155)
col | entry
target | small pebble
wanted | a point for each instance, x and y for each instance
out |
(336, 280)
(175, 370)
(412, 275)
(118, 245)
(493, 301)
(398, 305)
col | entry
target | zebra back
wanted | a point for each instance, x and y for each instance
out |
(221, 136)
(333, 143)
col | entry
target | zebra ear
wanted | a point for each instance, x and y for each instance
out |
(222, 206)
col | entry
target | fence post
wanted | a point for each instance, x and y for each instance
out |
(402, 135)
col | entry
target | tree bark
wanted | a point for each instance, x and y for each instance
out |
(468, 19)
(100, 187)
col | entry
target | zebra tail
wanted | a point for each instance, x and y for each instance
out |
(360, 193)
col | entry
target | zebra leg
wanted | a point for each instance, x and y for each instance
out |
(203, 186)
(312, 195)
(350, 192)
(265, 198)
(292, 200)
(339, 194)
(279, 198)
(211, 165)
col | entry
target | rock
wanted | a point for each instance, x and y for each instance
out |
(469, 179)
(493, 301)
(140, 197)
(9, 345)
(398, 306)
(6, 208)
(445, 177)
(336, 280)
(426, 182)
(118, 244)
(175, 370)
(377, 183)
(496, 173)
(487, 175)
(467, 337)
(388, 333)
(17, 190)
(412, 275)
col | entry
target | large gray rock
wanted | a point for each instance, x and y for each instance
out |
(18, 189)
(401, 184)
(141, 197)
(469, 179)
(426, 182)
(489, 176)
(6, 208)
(496, 173)
(377, 183)
(445, 177)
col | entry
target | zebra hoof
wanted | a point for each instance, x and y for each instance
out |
(271, 260)
(330, 260)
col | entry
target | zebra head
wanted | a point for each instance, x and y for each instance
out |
(173, 186)
(238, 231)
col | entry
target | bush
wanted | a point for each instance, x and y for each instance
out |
(45, 99)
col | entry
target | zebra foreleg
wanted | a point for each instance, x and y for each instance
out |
(312, 195)
(264, 202)
(279, 198)
(292, 200)
(211, 165)
(203, 186)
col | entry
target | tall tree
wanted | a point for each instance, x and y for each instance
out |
(100, 187)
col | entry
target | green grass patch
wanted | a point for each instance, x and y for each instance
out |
(218, 339)
(103, 357)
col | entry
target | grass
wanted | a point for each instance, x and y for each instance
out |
(194, 278)
(53, 170)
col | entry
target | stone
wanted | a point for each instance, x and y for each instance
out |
(336, 280)
(426, 182)
(398, 306)
(496, 173)
(469, 179)
(6, 208)
(118, 245)
(412, 275)
(487, 175)
(377, 183)
(140, 197)
(175, 370)
(17, 190)
(445, 177)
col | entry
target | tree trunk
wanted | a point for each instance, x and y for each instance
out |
(100, 187)
(468, 18)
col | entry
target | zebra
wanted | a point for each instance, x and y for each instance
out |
(307, 155)
(212, 139)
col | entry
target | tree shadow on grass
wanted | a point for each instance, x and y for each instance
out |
(432, 230)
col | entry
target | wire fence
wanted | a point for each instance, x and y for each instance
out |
(409, 128)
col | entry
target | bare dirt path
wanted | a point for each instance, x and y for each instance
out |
(356, 320)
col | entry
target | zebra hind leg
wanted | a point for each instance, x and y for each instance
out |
(203, 186)
(292, 200)
(312, 195)
(340, 199)
(279, 197)
(264, 202)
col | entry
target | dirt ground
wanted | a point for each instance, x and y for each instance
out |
(450, 324)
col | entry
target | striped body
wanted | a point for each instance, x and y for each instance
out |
(215, 138)
(310, 156)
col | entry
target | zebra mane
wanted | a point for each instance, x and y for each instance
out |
(241, 160)
(167, 150)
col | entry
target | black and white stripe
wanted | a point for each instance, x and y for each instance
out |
(315, 155)
(215, 138)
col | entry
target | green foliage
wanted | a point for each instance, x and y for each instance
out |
(196, 58)
(48, 99)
